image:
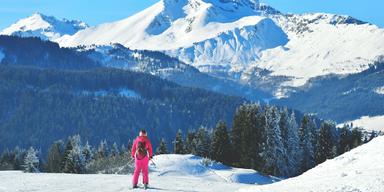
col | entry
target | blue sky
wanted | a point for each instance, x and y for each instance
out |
(98, 11)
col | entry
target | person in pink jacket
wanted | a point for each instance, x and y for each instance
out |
(142, 153)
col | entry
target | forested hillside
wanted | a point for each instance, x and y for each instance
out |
(39, 106)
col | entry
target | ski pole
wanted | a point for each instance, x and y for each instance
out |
(153, 162)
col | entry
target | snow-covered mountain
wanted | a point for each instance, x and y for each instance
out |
(240, 38)
(45, 27)
(319, 44)
(210, 34)
(357, 170)
(246, 44)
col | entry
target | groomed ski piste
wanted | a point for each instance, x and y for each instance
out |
(361, 169)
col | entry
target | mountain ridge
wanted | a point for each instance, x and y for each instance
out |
(44, 27)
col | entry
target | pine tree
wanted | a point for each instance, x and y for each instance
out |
(356, 138)
(202, 142)
(237, 135)
(19, 158)
(345, 140)
(123, 150)
(221, 147)
(324, 145)
(31, 161)
(247, 136)
(307, 135)
(55, 157)
(67, 164)
(87, 153)
(114, 150)
(372, 135)
(190, 146)
(292, 145)
(162, 148)
(178, 144)
(73, 159)
(102, 151)
(275, 152)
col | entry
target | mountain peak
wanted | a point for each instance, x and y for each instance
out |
(44, 27)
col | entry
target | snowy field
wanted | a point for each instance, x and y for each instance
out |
(375, 123)
(171, 173)
(360, 170)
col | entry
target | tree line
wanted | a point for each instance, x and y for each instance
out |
(264, 138)
(268, 139)
(71, 156)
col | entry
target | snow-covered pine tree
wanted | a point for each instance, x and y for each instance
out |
(73, 159)
(356, 138)
(190, 147)
(87, 152)
(275, 153)
(202, 141)
(247, 136)
(55, 157)
(31, 161)
(238, 128)
(291, 141)
(123, 150)
(221, 146)
(102, 150)
(178, 143)
(19, 158)
(345, 140)
(115, 150)
(162, 148)
(324, 144)
(67, 161)
(307, 135)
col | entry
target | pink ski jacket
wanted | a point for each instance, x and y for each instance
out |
(148, 146)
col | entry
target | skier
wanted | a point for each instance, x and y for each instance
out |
(142, 153)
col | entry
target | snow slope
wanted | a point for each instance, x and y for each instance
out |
(199, 32)
(45, 27)
(358, 170)
(375, 123)
(171, 173)
(320, 45)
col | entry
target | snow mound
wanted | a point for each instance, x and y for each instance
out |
(357, 170)
(44, 27)
(190, 165)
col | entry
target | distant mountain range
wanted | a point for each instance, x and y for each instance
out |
(236, 47)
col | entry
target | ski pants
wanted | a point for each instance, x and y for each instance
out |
(141, 165)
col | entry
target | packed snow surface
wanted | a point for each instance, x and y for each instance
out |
(360, 170)
(171, 173)
(374, 123)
